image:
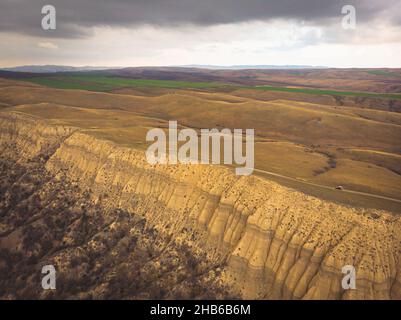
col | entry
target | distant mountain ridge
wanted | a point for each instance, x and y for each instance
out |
(53, 68)
(60, 68)
(250, 66)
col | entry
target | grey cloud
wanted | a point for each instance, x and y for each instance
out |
(75, 18)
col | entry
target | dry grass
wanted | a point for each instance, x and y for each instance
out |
(313, 141)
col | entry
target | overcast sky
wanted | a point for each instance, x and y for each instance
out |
(214, 32)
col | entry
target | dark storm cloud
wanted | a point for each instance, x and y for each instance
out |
(75, 18)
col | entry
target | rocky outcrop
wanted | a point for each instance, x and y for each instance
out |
(24, 137)
(276, 243)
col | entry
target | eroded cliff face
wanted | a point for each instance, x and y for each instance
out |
(271, 241)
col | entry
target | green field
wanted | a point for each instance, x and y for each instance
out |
(105, 84)
(384, 73)
(328, 92)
